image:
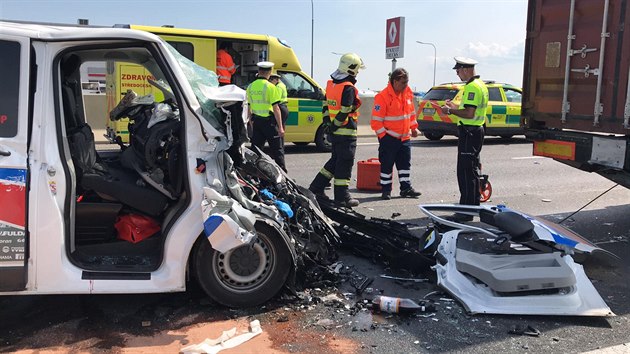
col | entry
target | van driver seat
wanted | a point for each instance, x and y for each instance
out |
(92, 174)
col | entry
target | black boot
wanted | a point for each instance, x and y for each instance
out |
(343, 198)
(318, 185)
(386, 194)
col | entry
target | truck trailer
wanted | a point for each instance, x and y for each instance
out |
(576, 92)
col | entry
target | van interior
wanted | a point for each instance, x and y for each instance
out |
(123, 197)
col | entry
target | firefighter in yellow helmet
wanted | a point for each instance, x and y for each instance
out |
(341, 114)
(263, 99)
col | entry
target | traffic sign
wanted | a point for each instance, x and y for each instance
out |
(395, 38)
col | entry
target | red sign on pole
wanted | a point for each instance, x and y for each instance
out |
(395, 38)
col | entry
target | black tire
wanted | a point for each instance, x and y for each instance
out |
(301, 143)
(321, 140)
(245, 276)
(506, 136)
(433, 136)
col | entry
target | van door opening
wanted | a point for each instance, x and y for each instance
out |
(122, 197)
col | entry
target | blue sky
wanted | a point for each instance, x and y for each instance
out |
(491, 31)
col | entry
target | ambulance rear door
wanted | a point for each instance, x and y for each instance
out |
(14, 116)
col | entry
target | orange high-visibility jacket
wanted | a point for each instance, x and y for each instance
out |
(343, 116)
(394, 114)
(225, 66)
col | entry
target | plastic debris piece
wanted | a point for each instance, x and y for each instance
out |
(228, 339)
(525, 330)
(415, 280)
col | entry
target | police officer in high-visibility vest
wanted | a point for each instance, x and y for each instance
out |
(394, 122)
(472, 116)
(341, 113)
(263, 99)
(225, 64)
(275, 79)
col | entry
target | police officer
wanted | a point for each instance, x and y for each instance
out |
(394, 121)
(472, 115)
(263, 99)
(275, 79)
(341, 113)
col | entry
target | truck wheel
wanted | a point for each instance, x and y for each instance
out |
(433, 136)
(321, 140)
(245, 276)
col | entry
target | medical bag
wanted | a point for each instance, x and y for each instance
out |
(135, 227)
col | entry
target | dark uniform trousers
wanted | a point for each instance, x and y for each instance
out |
(338, 166)
(392, 151)
(266, 130)
(284, 113)
(469, 146)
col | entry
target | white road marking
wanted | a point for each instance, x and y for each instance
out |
(528, 157)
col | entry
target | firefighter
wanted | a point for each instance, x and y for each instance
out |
(472, 116)
(394, 121)
(264, 114)
(225, 64)
(275, 79)
(340, 114)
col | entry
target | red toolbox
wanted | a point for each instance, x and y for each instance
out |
(369, 175)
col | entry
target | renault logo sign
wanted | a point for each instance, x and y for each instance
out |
(395, 38)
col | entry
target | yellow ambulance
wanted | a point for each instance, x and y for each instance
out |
(502, 115)
(305, 96)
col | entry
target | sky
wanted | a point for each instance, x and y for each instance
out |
(490, 31)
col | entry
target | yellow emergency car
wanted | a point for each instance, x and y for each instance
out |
(305, 96)
(502, 116)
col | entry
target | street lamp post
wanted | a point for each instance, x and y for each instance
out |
(434, 57)
(312, 30)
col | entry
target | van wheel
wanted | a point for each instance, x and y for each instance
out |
(245, 276)
(433, 136)
(321, 140)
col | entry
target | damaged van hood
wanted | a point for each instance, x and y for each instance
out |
(513, 263)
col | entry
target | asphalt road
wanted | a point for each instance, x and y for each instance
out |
(534, 185)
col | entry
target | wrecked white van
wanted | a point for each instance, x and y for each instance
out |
(80, 218)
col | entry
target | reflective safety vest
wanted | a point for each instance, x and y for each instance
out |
(334, 92)
(261, 95)
(394, 114)
(283, 92)
(225, 66)
(475, 94)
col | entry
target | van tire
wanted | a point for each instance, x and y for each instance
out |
(433, 136)
(245, 276)
(321, 141)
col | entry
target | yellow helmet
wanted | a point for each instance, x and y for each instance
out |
(350, 63)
